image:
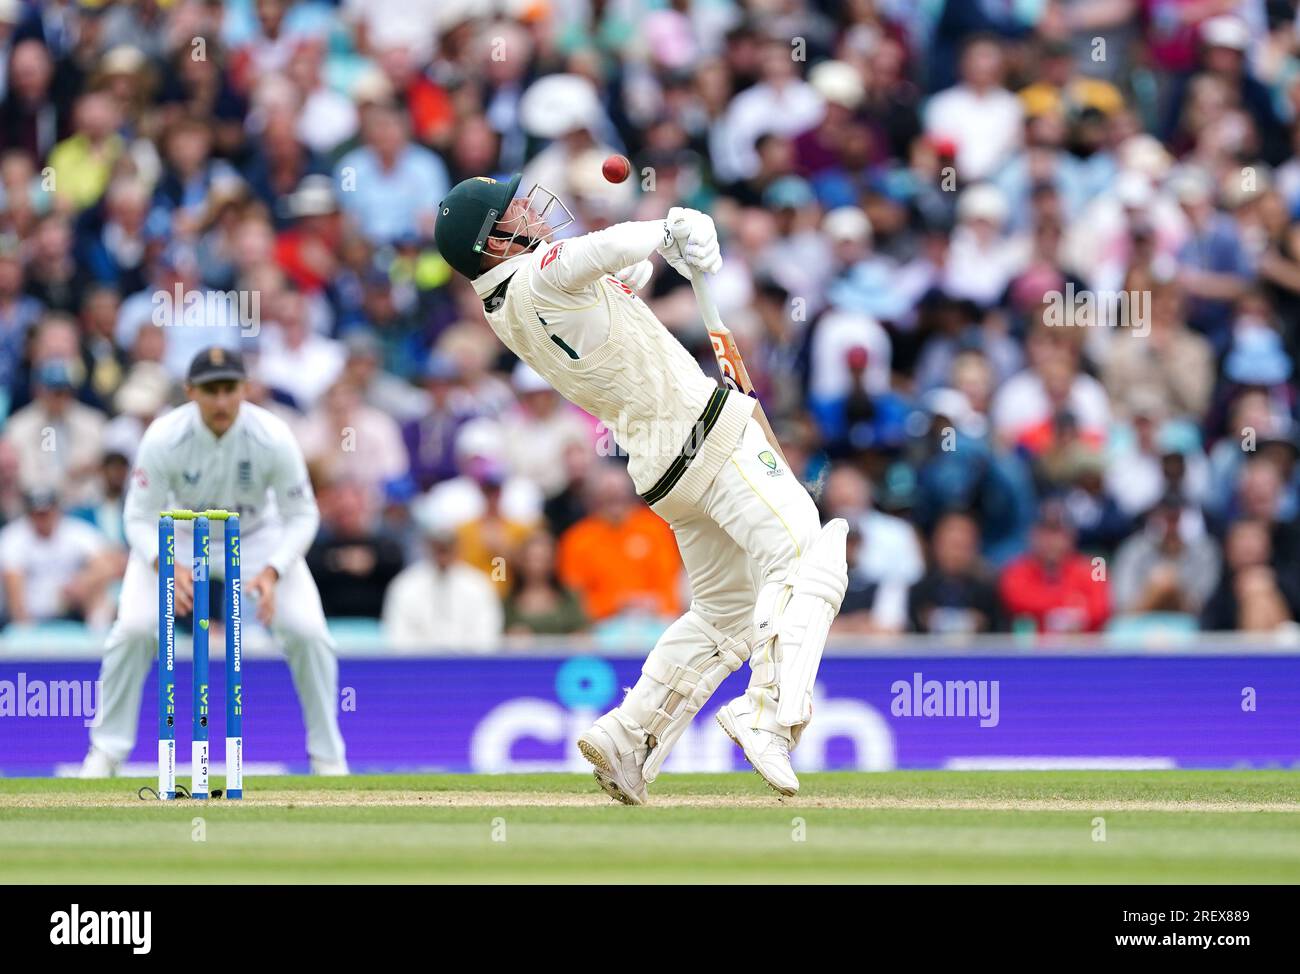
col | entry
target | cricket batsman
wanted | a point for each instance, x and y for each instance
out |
(767, 579)
(219, 452)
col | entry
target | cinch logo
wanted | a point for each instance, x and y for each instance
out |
(132, 928)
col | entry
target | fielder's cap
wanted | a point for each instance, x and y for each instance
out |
(466, 216)
(216, 364)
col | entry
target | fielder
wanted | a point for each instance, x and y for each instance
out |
(218, 451)
(767, 579)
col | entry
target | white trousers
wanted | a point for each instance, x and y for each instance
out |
(298, 625)
(750, 526)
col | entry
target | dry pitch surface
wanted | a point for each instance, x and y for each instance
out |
(1154, 827)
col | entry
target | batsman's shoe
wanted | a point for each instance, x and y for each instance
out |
(614, 761)
(98, 765)
(768, 753)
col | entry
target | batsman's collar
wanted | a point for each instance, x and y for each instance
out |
(490, 280)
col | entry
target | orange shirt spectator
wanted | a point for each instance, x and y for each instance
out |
(622, 556)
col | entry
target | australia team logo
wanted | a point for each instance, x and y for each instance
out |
(769, 461)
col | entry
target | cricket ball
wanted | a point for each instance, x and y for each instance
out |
(616, 168)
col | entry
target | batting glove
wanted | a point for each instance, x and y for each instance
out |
(690, 240)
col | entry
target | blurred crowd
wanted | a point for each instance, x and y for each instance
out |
(1019, 286)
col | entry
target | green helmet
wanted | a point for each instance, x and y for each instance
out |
(466, 216)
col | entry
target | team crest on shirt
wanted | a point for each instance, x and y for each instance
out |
(769, 461)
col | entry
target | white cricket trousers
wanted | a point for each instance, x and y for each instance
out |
(298, 626)
(751, 525)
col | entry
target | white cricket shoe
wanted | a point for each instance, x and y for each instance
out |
(97, 764)
(330, 769)
(767, 753)
(617, 770)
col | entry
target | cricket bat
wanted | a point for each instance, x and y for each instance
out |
(730, 364)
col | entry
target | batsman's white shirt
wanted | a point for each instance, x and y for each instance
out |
(561, 309)
(255, 469)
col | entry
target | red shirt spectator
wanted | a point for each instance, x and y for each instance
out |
(1054, 585)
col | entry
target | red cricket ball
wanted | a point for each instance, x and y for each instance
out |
(616, 168)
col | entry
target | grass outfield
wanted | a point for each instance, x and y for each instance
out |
(943, 827)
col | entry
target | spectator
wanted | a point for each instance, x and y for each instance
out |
(54, 278)
(431, 439)
(57, 438)
(621, 558)
(348, 439)
(54, 567)
(31, 119)
(957, 594)
(540, 429)
(780, 102)
(890, 554)
(352, 562)
(83, 162)
(979, 115)
(442, 603)
(856, 615)
(1052, 587)
(538, 604)
(1251, 595)
(1172, 364)
(380, 389)
(958, 468)
(293, 359)
(1163, 569)
(390, 185)
(490, 539)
